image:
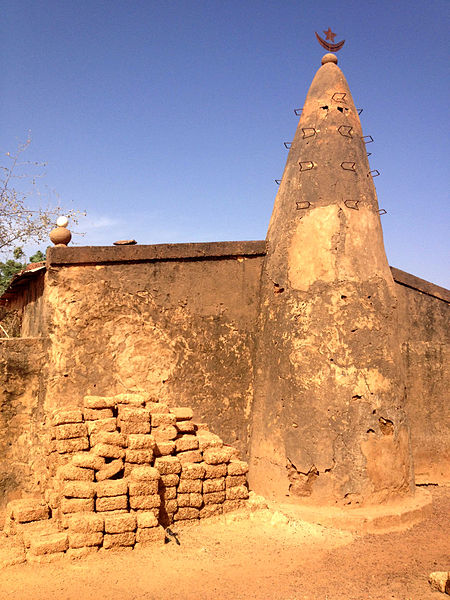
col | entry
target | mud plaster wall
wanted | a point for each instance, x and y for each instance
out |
(182, 330)
(424, 321)
(22, 392)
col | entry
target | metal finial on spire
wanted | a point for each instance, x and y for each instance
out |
(331, 47)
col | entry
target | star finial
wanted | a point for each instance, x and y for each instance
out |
(330, 35)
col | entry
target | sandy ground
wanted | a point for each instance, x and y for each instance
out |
(256, 556)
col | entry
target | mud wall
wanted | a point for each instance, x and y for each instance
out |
(22, 392)
(175, 321)
(425, 325)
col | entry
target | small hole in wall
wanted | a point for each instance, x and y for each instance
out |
(343, 297)
(66, 374)
(340, 109)
(370, 431)
(331, 359)
(369, 297)
(374, 412)
(324, 107)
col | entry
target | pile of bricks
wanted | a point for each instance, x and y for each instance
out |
(124, 468)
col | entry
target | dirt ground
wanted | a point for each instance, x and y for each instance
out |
(258, 556)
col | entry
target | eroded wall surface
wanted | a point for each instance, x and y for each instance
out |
(425, 326)
(179, 326)
(22, 392)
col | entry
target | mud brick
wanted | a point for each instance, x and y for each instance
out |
(25, 511)
(143, 488)
(72, 473)
(186, 514)
(230, 505)
(213, 485)
(111, 503)
(168, 493)
(195, 500)
(193, 471)
(164, 448)
(185, 426)
(187, 486)
(114, 487)
(77, 553)
(183, 500)
(211, 510)
(108, 451)
(157, 407)
(133, 414)
(114, 540)
(49, 544)
(120, 523)
(137, 400)
(164, 433)
(169, 480)
(182, 413)
(141, 442)
(216, 456)
(34, 531)
(214, 498)
(133, 427)
(239, 492)
(79, 540)
(45, 558)
(149, 535)
(87, 460)
(171, 506)
(202, 427)
(53, 498)
(234, 453)
(78, 489)
(93, 414)
(190, 456)
(63, 416)
(144, 474)
(146, 519)
(109, 470)
(167, 465)
(70, 430)
(75, 505)
(215, 471)
(101, 425)
(235, 480)
(186, 442)
(139, 457)
(99, 402)
(208, 440)
(113, 438)
(237, 467)
(85, 523)
(145, 502)
(71, 445)
(162, 419)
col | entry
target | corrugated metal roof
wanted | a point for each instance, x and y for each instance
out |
(19, 280)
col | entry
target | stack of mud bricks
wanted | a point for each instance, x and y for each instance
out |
(125, 467)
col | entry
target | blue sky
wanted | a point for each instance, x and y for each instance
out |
(165, 121)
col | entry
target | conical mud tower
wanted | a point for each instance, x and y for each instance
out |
(328, 422)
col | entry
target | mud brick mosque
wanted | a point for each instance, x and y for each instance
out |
(154, 384)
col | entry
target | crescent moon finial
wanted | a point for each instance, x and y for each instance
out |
(330, 46)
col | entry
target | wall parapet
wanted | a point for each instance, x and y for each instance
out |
(62, 256)
(420, 285)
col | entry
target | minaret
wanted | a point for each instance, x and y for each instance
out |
(328, 419)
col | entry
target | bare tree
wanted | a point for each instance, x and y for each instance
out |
(24, 215)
